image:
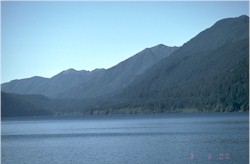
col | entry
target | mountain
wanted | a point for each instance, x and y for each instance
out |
(208, 73)
(13, 105)
(51, 87)
(121, 75)
(29, 105)
(90, 84)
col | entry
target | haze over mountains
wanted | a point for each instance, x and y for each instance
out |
(208, 73)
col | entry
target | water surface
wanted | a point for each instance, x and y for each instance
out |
(141, 139)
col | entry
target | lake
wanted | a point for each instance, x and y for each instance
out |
(193, 138)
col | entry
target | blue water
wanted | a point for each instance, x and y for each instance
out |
(149, 139)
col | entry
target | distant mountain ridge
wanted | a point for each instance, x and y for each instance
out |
(85, 84)
(209, 73)
(48, 86)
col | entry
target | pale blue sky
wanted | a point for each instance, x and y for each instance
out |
(45, 38)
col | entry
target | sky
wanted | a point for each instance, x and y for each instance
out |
(45, 38)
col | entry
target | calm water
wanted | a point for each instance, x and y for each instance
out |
(152, 139)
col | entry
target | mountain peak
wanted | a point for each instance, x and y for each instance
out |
(160, 45)
(232, 20)
(69, 71)
(223, 31)
(244, 17)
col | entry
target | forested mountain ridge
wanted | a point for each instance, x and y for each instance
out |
(120, 76)
(15, 105)
(90, 84)
(208, 73)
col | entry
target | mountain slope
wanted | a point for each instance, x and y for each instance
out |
(86, 84)
(14, 105)
(50, 87)
(121, 75)
(208, 73)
